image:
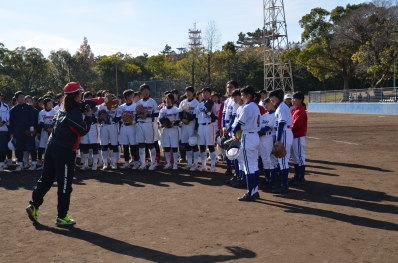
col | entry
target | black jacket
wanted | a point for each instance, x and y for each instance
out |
(69, 128)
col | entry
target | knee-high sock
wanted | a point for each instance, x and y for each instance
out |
(195, 158)
(213, 158)
(153, 155)
(250, 183)
(126, 153)
(26, 157)
(273, 175)
(284, 175)
(296, 171)
(302, 171)
(267, 173)
(95, 159)
(105, 156)
(256, 180)
(167, 157)
(85, 159)
(203, 158)
(189, 157)
(175, 155)
(115, 158)
(142, 155)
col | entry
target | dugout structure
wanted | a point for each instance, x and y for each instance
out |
(158, 87)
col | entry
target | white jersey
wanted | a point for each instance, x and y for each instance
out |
(171, 114)
(124, 108)
(4, 115)
(150, 106)
(201, 113)
(239, 112)
(250, 118)
(230, 108)
(192, 105)
(268, 120)
(46, 117)
(283, 114)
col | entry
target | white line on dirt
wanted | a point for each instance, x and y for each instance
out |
(314, 138)
(346, 142)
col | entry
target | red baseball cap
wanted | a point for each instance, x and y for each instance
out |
(72, 87)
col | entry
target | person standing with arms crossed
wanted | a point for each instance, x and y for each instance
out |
(60, 155)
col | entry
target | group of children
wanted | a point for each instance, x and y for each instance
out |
(185, 128)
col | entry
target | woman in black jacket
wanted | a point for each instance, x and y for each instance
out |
(59, 158)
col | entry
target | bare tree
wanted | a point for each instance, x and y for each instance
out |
(212, 38)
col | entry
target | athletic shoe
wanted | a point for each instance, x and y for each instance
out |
(247, 197)
(194, 167)
(105, 167)
(66, 221)
(33, 213)
(232, 180)
(39, 162)
(239, 184)
(256, 195)
(182, 160)
(136, 165)
(125, 166)
(228, 171)
(280, 190)
(187, 167)
(175, 167)
(18, 168)
(142, 167)
(94, 168)
(167, 167)
(114, 166)
(152, 167)
(203, 169)
(25, 165)
(220, 158)
(300, 181)
(84, 168)
(212, 169)
(293, 179)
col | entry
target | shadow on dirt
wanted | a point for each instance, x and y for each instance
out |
(350, 165)
(134, 251)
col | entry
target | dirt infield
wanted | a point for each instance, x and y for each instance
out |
(347, 211)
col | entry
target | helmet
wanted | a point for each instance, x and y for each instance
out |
(72, 87)
(193, 140)
(233, 150)
(12, 144)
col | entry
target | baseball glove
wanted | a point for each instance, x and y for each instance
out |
(165, 122)
(127, 118)
(111, 102)
(103, 116)
(227, 143)
(30, 133)
(224, 139)
(278, 150)
(141, 112)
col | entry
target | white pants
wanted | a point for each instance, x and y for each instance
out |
(127, 135)
(92, 136)
(206, 134)
(145, 132)
(187, 131)
(266, 144)
(170, 137)
(298, 150)
(250, 145)
(287, 140)
(43, 139)
(108, 134)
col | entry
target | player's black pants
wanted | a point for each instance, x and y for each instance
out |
(59, 163)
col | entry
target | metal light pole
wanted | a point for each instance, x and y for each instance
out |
(394, 72)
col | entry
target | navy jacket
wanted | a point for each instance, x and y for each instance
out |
(22, 116)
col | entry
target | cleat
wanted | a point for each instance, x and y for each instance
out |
(32, 167)
(66, 221)
(33, 213)
(256, 195)
(212, 169)
(126, 166)
(294, 179)
(113, 166)
(142, 167)
(175, 167)
(247, 197)
(25, 165)
(84, 168)
(194, 167)
(280, 190)
(18, 168)
(300, 181)
(136, 165)
(203, 169)
(152, 167)
(187, 167)
(239, 184)
(105, 167)
(167, 167)
(232, 180)
(94, 168)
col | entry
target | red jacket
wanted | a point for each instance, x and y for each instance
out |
(299, 122)
(262, 110)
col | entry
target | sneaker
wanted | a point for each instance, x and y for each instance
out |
(256, 195)
(105, 167)
(228, 171)
(182, 160)
(239, 184)
(18, 168)
(220, 158)
(142, 167)
(293, 179)
(32, 167)
(167, 167)
(175, 167)
(126, 166)
(187, 167)
(113, 166)
(212, 169)
(64, 221)
(280, 190)
(300, 181)
(94, 168)
(136, 165)
(33, 213)
(247, 197)
(203, 169)
(232, 180)
(25, 165)
(152, 167)
(194, 168)
(84, 168)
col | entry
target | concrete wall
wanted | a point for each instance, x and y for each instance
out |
(360, 108)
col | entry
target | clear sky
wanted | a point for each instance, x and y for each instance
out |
(136, 27)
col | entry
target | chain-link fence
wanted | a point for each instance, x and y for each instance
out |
(354, 95)
(159, 86)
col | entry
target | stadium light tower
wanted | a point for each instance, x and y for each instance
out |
(195, 42)
(277, 74)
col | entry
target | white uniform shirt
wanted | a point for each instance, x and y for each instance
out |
(192, 105)
(225, 110)
(150, 106)
(171, 114)
(250, 118)
(239, 112)
(5, 116)
(129, 109)
(201, 113)
(46, 117)
(283, 114)
(268, 119)
(230, 109)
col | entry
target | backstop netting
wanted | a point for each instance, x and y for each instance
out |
(158, 87)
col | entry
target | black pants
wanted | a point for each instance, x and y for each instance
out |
(59, 162)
